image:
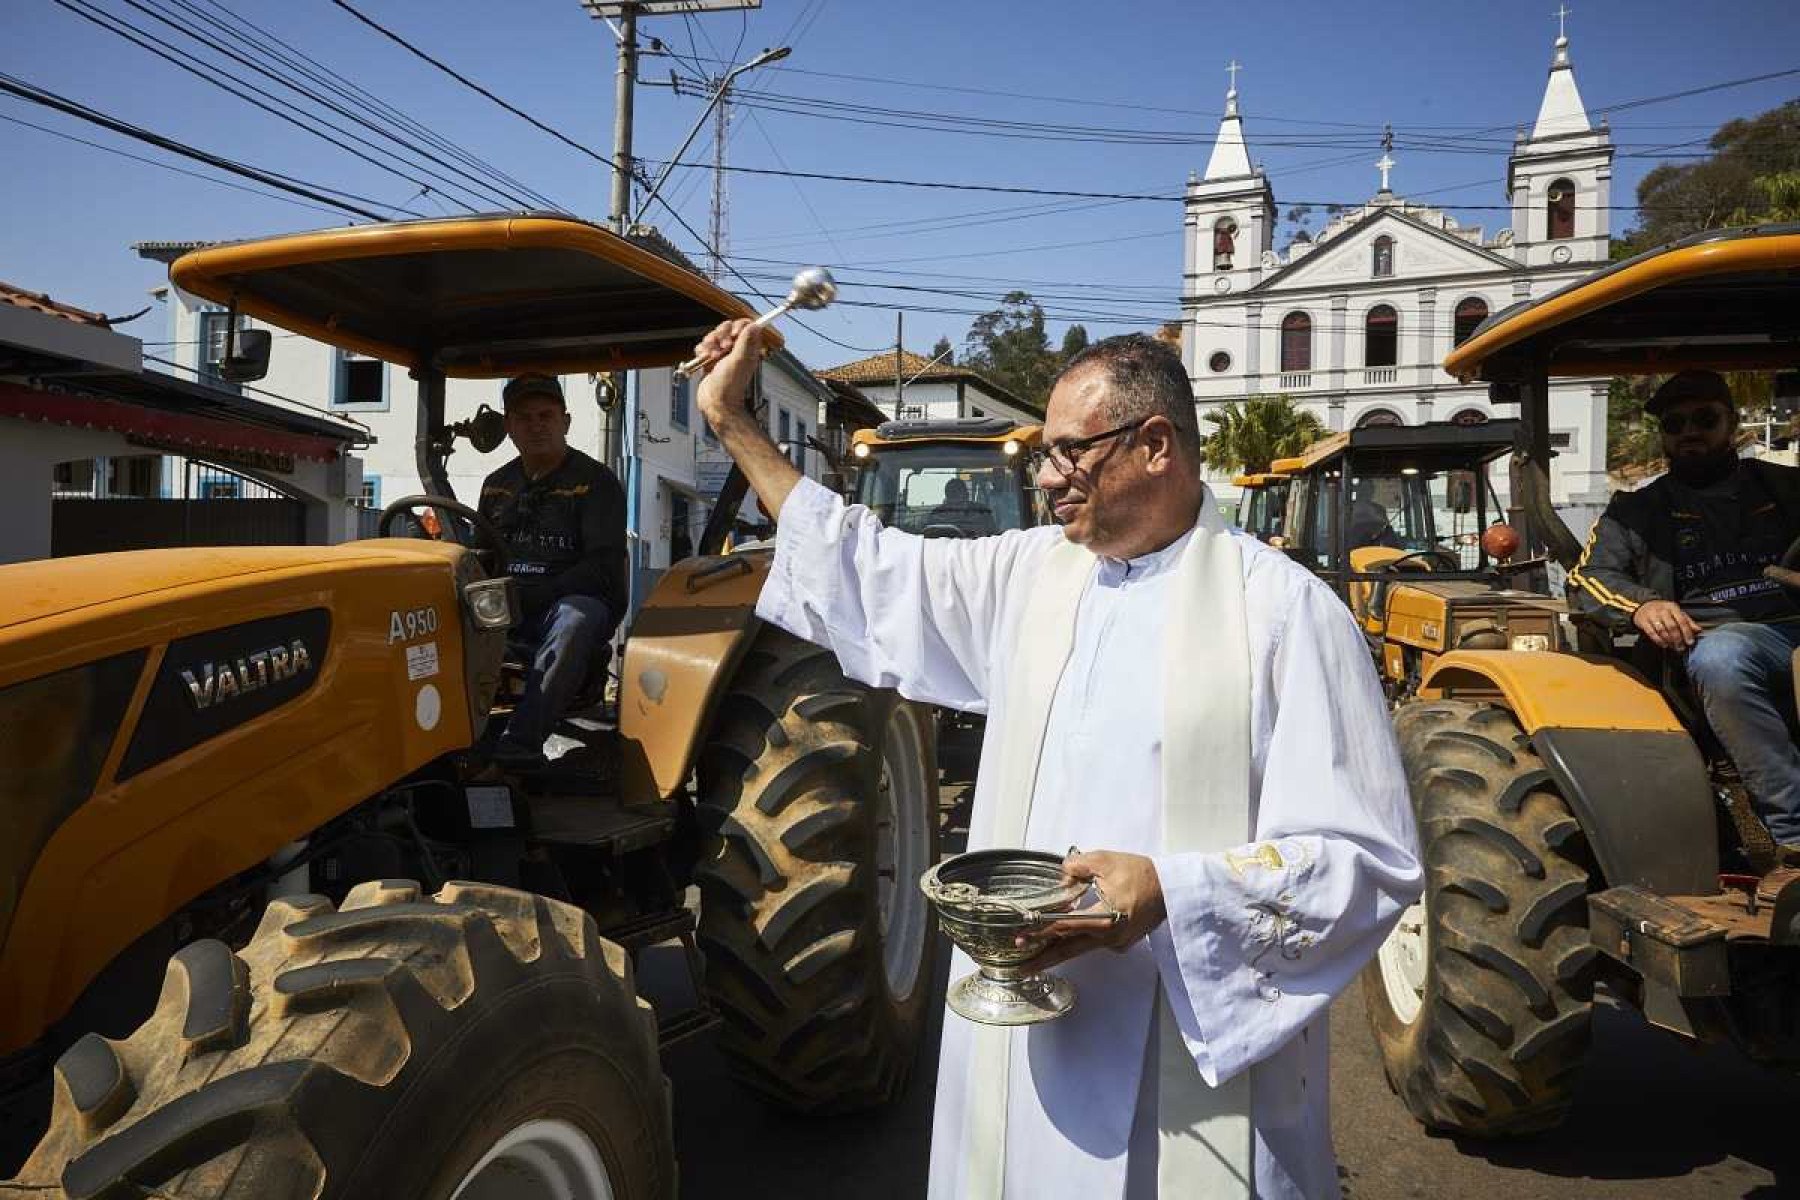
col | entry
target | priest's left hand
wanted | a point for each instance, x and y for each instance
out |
(1127, 884)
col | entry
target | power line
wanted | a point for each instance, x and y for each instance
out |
(48, 99)
(262, 41)
(216, 78)
(447, 69)
(480, 184)
(69, 137)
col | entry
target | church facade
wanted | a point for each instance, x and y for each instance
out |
(1353, 323)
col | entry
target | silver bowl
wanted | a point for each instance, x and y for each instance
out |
(996, 906)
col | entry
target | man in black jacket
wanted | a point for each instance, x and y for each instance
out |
(1681, 561)
(563, 518)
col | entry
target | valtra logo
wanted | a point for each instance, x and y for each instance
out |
(210, 684)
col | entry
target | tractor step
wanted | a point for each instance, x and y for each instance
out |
(684, 1025)
(594, 823)
(1669, 940)
(652, 929)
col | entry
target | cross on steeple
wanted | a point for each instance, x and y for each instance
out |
(1386, 163)
(1232, 68)
(1562, 13)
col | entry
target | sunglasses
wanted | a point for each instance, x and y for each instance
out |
(1704, 420)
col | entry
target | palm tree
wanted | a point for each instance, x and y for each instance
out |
(1253, 433)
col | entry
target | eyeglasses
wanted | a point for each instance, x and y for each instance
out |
(1704, 420)
(1065, 453)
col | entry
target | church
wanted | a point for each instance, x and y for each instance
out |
(1353, 323)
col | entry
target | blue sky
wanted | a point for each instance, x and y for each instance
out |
(1318, 82)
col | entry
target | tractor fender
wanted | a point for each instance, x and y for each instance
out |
(685, 644)
(1623, 761)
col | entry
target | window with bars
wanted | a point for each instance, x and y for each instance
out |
(358, 382)
(678, 402)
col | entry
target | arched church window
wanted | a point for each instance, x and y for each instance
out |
(1561, 206)
(1469, 416)
(1470, 313)
(1384, 256)
(1381, 337)
(1224, 243)
(1378, 416)
(1296, 342)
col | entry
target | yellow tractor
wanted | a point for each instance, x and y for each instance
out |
(1579, 825)
(244, 758)
(1416, 543)
(953, 477)
(1262, 504)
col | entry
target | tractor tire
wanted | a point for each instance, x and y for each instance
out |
(480, 1043)
(1481, 998)
(818, 797)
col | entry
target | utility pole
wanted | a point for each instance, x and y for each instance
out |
(721, 124)
(899, 366)
(624, 103)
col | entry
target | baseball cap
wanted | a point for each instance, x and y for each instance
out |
(1690, 385)
(533, 384)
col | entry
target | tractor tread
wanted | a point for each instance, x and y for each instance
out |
(1495, 1047)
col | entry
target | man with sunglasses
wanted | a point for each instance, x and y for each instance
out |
(562, 515)
(1680, 561)
(1192, 707)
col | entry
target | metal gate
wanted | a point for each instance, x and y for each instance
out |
(216, 507)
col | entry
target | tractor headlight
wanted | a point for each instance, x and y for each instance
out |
(491, 602)
(1011, 447)
(1530, 641)
(860, 450)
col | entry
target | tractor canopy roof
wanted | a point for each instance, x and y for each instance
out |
(1729, 300)
(1436, 446)
(1257, 479)
(997, 430)
(472, 297)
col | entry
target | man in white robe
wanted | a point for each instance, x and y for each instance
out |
(1240, 949)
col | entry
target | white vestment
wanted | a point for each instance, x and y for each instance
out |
(1258, 939)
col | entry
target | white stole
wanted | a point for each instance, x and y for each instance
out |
(1204, 1135)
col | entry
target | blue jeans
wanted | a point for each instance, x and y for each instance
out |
(1744, 673)
(561, 641)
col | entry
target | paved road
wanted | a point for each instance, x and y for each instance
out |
(1655, 1118)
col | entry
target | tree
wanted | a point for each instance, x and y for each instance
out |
(1248, 436)
(943, 352)
(1011, 346)
(1678, 199)
(1075, 340)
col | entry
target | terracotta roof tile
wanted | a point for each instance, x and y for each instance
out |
(39, 302)
(878, 369)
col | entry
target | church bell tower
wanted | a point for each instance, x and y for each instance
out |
(1229, 218)
(1559, 178)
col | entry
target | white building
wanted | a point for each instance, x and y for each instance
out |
(1354, 323)
(931, 390)
(676, 464)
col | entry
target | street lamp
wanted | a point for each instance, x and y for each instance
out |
(761, 60)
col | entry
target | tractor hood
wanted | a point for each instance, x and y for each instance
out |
(473, 297)
(34, 591)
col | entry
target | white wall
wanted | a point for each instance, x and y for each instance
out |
(30, 451)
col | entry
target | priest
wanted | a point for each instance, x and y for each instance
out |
(1191, 707)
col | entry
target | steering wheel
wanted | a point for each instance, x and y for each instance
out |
(1430, 560)
(943, 529)
(489, 546)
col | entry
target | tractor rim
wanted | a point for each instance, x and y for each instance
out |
(902, 848)
(539, 1160)
(1402, 958)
